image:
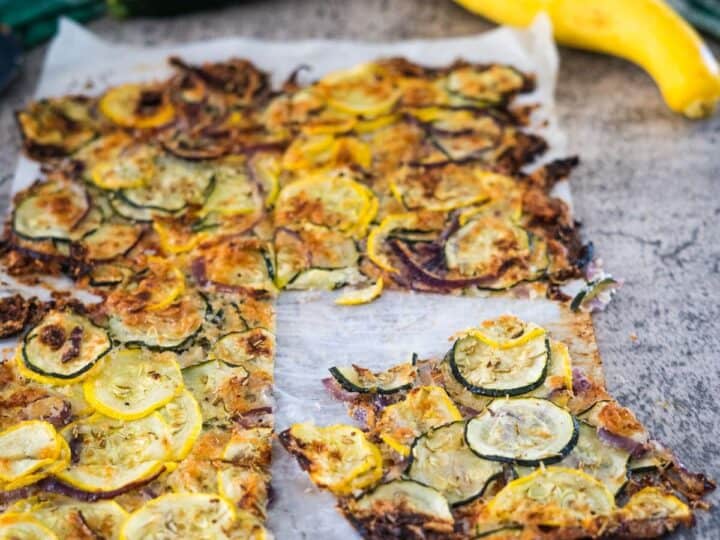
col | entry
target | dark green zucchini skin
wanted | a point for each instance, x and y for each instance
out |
(352, 387)
(590, 290)
(411, 460)
(537, 462)
(491, 392)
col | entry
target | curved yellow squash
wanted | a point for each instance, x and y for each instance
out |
(646, 32)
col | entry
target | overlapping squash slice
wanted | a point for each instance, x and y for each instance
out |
(30, 451)
(359, 91)
(57, 126)
(62, 348)
(232, 193)
(137, 106)
(69, 518)
(184, 421)
(338, 458)
(111, 455)
(488, 85)
(235, 263)
(442, 460)
(181, 515)
(252, 349)
(422, 409)
(110, 240)
(130, 165)
(354, 378)
(134, 382)
(364, 295)
(14, 526)
(553, 496)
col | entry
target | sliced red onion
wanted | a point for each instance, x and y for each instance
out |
(53, 485)
(580, 383)
(635, 448)
(337, 391)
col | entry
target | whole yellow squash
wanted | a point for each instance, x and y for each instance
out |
(646, 32)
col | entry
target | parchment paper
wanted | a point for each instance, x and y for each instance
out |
(313, 333)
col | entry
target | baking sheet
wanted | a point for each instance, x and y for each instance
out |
(312, 333)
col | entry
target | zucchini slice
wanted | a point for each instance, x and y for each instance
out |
(50, 211)
(170, 328)
(184, 420)
(358, 379)
(253, 349)
(134, 213)
(57, 126)
(62, 348)
(181, 515)
(339, 458)
(506, 332)
(601, 287)
(154, 288)
(525, 431)
(109, 275)
(134, 382)
(500, 371)
(423, 408)
(405, 496)
(72, 519)
(111, 454)
(552, 496)
(328, 280)
(14, 526)
(236, 263)
(27, 447)
(485, 244)
(441, 459)
(137, 106)
(131, 166)
(176, 184)
(232, 193)
(333, 200)
(110, 240)
(598, 459)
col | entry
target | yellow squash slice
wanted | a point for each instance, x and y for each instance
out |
(23, 527)
(137, 106)
(553, 496)
(131, 166)
(184, 420)
(25, 448)
(361, 296)
(424, 408)
(133, 383)
(199, 516)
(70, 519)
(113, 454)
(338, 457)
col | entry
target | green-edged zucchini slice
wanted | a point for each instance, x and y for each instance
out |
(598, 459)
(63, 347)
(15, 526)
(184, 420)
(72, 519)
(109, 275)
(236, 263)
(110, 240)
(253, 349)
(553, 496)
(525, 431)
(181, 515)
(441, 459)
(490, 371)
(329, 280)
(405, 496)
(134, 213)
(111, 454)
(358, 379)
(485, 244)
(232, 193)
(51, 211)
(134, 382)
(170, 328)
(176, 184)
(604, 286)
(645, 464)
(25, 448)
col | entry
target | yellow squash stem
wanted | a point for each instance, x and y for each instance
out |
(646, 32)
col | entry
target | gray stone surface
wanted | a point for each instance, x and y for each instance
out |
(648, 194)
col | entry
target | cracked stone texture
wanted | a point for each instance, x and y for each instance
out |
(647, 192)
